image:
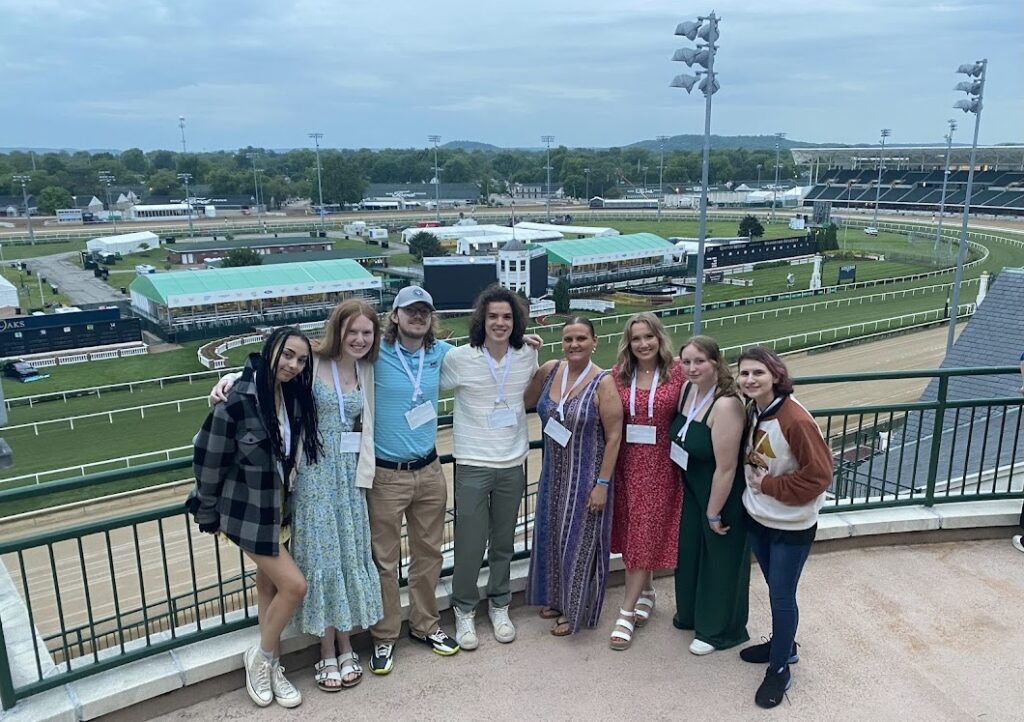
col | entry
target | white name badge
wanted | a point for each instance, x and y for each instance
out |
(422, 414)
(557, 432)
(502, 418)
(350, 442)
(680, 456)
(641, 434)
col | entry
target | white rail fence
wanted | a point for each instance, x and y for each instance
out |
(43, 362)
(141, 410)
(98, 391)
(122, 462)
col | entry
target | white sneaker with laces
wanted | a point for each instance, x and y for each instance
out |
(465, 629)
(285, 693)
(257, 676)
(504, 630)
(1018, 542)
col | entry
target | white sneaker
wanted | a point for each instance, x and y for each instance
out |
(465, 629)
(285, 693)
(700, 648)
(257, 676)
(1018, 543)
(504, 630)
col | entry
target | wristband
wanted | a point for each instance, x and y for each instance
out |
(717, 519)
(602, 482)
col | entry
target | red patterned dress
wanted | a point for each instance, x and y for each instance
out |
(648, 488)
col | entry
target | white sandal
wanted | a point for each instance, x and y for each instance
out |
(645, 606)
(622, 635)
(327, 670)
(350, 665)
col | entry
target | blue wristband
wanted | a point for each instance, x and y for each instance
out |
(715, 519)
(602, 482)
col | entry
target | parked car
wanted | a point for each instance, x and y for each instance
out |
(23, 372)
(871, 231)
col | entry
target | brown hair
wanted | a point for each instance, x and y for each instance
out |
(580, 320)
(496, 293)
(775, 365)
(626, 360)
(391, 332)
(725, 383)
(329, 346)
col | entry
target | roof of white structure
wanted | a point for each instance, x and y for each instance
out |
(137, 237)
(571, 230)
(931, 156)
(485, 233)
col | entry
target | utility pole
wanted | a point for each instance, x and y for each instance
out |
(319, 181)
(435, 139)
(661, 174)
(181, 124)
(185, 178)
(107, 179)
(775, 188)
(23, 179)
(547, 139)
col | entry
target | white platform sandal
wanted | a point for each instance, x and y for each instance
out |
(327, 671)
(645, 606)
(622, 635)
(349, 664)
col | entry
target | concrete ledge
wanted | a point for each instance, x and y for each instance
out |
(212, 666)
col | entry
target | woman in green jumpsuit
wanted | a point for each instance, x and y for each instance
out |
(713, 573)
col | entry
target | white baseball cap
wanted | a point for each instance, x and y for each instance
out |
(411, 295)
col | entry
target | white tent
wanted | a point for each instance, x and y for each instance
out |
(570, 230)
(8, 294)
(125, 243)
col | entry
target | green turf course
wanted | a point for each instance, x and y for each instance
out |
(26, 250)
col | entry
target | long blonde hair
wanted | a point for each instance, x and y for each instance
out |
(329, 346)
(626, 361)
(725, 384)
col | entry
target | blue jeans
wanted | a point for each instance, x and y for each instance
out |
(781, 565)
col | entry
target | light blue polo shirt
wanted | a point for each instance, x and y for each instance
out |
(393, 439)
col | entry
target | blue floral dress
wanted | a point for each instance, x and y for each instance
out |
(331, 530)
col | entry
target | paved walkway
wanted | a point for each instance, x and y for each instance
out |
(77, 284)
(929, 632)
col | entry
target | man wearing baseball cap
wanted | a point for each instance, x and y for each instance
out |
(409, 482)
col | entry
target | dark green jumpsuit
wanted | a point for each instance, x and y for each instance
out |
(713, 572)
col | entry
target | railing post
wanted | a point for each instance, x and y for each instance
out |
(7, 697)
(933, 456)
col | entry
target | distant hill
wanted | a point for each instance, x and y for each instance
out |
(470, 145)
(695, 143)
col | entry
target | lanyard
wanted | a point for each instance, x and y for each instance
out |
(414, 380)
(337, 388)
(493, 368)
(565, 380)
(694, 407)
(650, 399)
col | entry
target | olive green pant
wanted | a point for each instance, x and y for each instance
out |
(486, 511)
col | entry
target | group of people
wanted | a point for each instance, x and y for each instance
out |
(314, 455)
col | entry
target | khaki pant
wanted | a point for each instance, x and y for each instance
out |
(422, 498)
(487, 507)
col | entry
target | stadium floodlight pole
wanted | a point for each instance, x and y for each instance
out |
(706, 28)
(256, 187)
(185, 178)
(759, 176)
(945, 179)
(181, 124)
(886, 132)
(547, 140)
(586, 174)
(661, 174)
(775, 188)
(435, 139)
(23, 179)
(975, 89)
(107, 179)
(316, 139)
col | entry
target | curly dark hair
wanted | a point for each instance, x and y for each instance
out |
(296, 394)
(496, 293)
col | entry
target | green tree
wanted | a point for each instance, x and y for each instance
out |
(163, 183)
(561, 295)
(134, 159)
(750, 226)
(238, 257)
(425, 245)
(342, 180)
(51, 198)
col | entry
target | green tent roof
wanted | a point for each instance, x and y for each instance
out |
(221, 285)
(605, 249)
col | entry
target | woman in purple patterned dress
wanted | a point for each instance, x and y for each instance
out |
(581, 413)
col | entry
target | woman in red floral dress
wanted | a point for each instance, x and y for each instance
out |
(648, 490)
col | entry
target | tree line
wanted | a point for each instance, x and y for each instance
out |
(285, 175)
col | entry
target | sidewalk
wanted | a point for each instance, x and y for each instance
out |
(925, 632)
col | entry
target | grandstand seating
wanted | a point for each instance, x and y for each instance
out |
(994, 191)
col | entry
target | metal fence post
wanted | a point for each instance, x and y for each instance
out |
(7, 696)
(933, 456)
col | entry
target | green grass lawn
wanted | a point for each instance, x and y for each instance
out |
(717, 228)
(25, 250)
(28, 289)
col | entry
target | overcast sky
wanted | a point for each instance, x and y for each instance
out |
(114, 74)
